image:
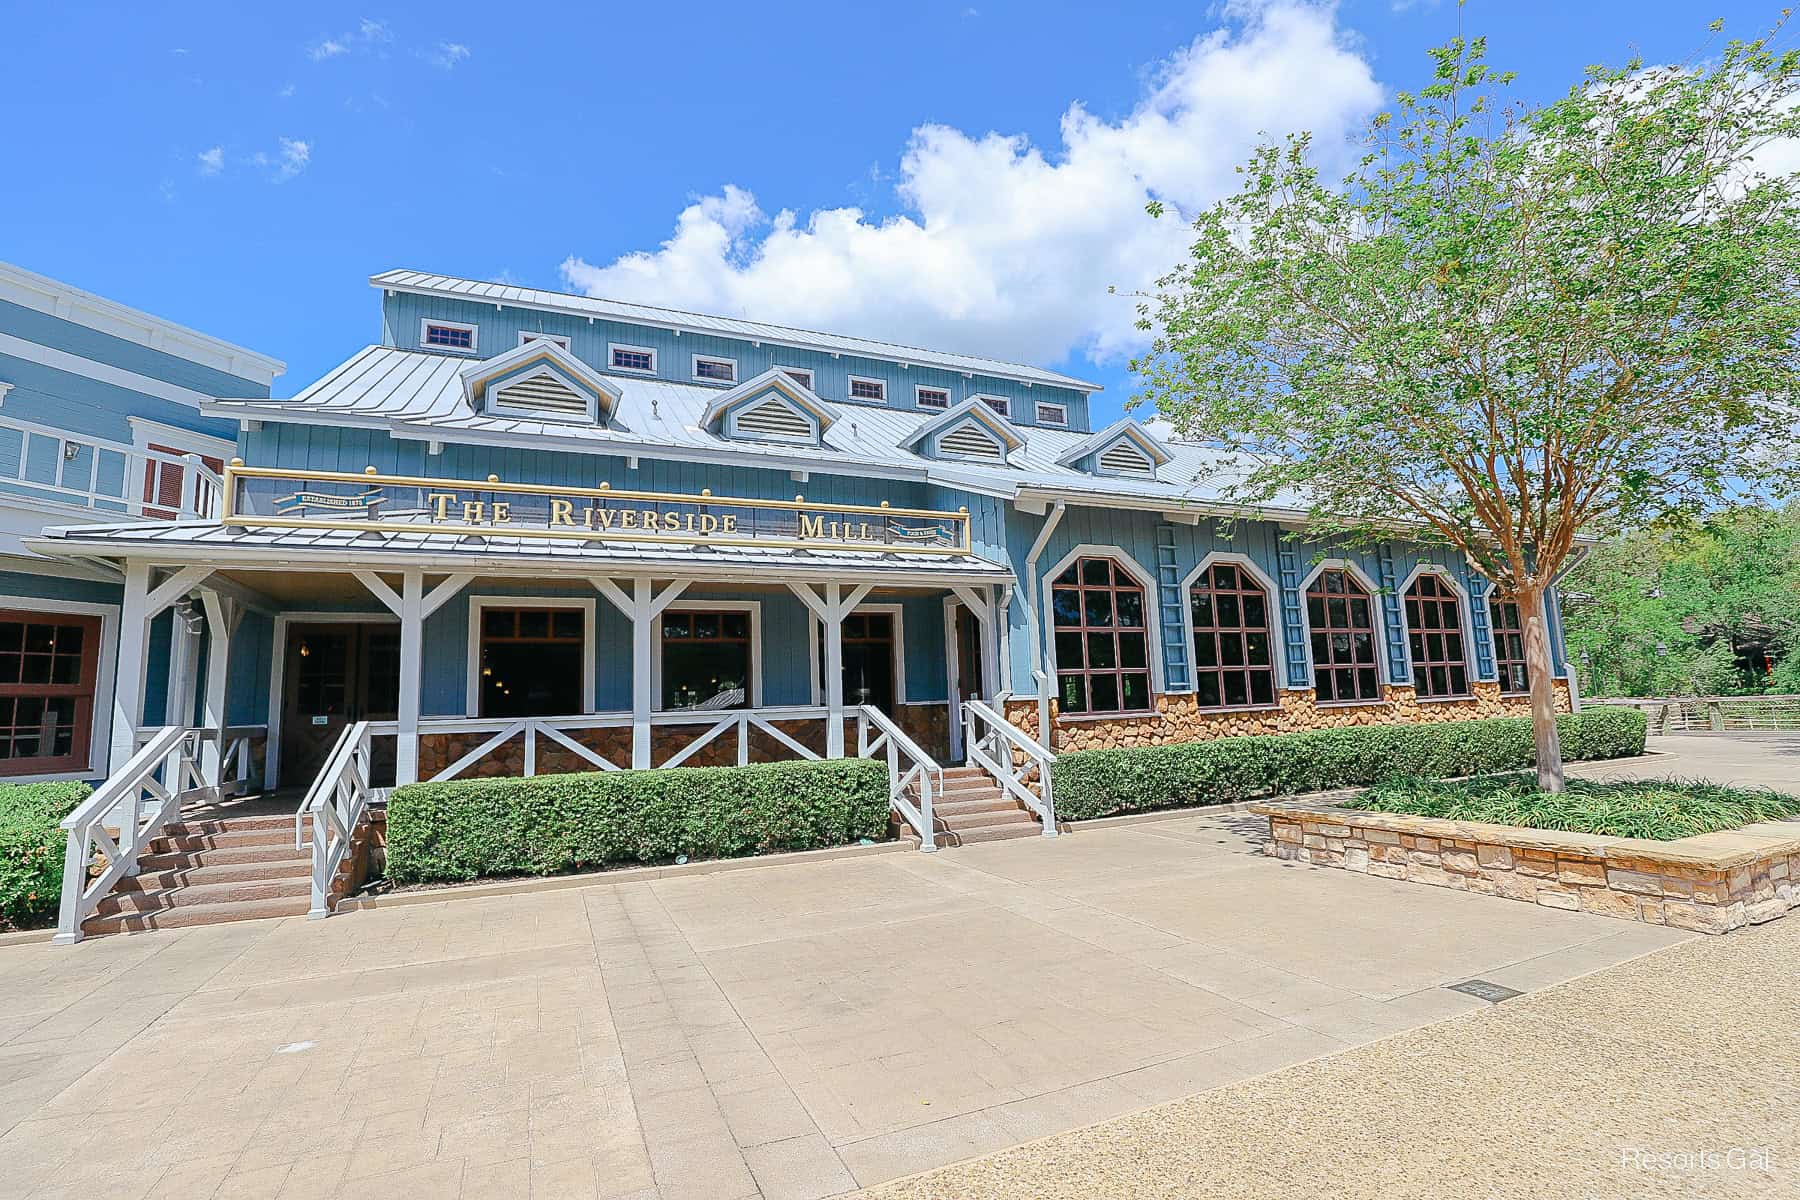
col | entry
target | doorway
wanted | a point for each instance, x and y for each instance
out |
(334, 675)
(967, 670)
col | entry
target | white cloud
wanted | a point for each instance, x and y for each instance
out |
(448, 54)
(367, 36)
(212, 161)
(327, 48)
(1002, 247)
(290, 158)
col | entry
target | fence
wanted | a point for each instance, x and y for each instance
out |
(1714, 714)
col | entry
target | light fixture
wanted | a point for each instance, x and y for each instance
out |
(305, 650)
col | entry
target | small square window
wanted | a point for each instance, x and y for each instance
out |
(715, 370)
(632, 358)
(867, 389)
(448, 335)
(799, 375)
(999, 404)
(1052, 414)
(930, 397)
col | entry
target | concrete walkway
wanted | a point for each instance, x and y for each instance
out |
(789, 1031)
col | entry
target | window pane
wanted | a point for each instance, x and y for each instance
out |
(1206, 650)
(1099, 608)
(1203, 612)
(1256, 649)
(566, 623)
(1096, 571)
(1104, 691)
(534, 622)
(1100, 648)
(1207, 690)
(1069, 577)
(1069, 650)
(1237, 688)
(1231, 649)
(706, 625)
(1074, 693)
(1224, 575)
(1262, 687)
(498, 622)
(1131, 609)
(734, 625)
(1067, 604)
(676, 625)
(1255, 614)
(1132, 650)
(1227, 607)
(1366, 681)
(1137, 692)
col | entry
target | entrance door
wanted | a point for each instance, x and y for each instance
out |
(968, 686)
(336, 674)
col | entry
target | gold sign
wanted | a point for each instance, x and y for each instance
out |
(268, 497)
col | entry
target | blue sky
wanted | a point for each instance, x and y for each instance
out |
(966, 175)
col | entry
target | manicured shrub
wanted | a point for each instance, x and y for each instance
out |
(548, 824)
(1100, 783)
(1663, 809)
(31, 849)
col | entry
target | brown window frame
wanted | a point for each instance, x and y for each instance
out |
(83, 691)
(1329, 668)
(1443, 601)
(1509, 646)
(1119, 582)
(550, 637)
(748, 641)
(1221, 637)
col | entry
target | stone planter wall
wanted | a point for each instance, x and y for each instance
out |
(1712, 884)
(1178, 719)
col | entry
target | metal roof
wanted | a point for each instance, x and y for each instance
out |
(426, 284)
(234, 546)
(419, 396)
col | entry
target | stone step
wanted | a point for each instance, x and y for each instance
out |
(174, 860)
(284, 868)
(989, 833)
(983, 783)
(164, 843)
(204, 895)
(204, 914)
(988, 820)
(196, 824)
(963, 807)
(964, 773)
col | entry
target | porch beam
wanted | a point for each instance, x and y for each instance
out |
(831, 609)
(172, 589)
(412, 645)
(642, 607)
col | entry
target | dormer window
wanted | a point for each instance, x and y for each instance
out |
(1124, 458)
(1053, 414)
(799, 375)
(868, 389)
(969, 432)
(539, 380)
(447, 335)
(772, 419)
(999, 404)
(773, 407)
(528, 336)
(931, 397)
(971, 441)
(715, 370)
(639, 360)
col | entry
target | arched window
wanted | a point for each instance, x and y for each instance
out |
(1509, 647)
(1234, 663)
(1341, 617)
(1102, 642)
(1434, 625)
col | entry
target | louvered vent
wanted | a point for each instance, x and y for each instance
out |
(968, 441)
(542, 394)
(1123, 458)
(774, 419)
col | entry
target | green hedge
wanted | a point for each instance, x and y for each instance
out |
(1101, 783)
(548, 824)
(31, 849)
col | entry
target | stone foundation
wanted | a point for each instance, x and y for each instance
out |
(1712, 884)
(1179, 719)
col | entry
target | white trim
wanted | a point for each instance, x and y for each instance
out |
(810, 383)
(1038, 414)
(144, 431)
(31, 290)
(614, 347)
(1152, 606)
(850, 382)
(945, 454)
(926, 387)
(1271, 598)
(87, 368)
(480, 604)
(105, 665)
(528, 336)
(1465, 613)
(1377, 613)
(809, 438)
(474, 332)
(815, 629)
(278, 669)
(679, 605)
(1000, 404)
(697, 359)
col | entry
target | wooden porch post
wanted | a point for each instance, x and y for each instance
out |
(412, 604)
(831, 611)
(141, 606)
(643, 607)
(222, 616)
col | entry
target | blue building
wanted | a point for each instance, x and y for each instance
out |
(526, 531)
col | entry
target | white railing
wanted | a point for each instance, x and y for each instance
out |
(990, 741)
(83, 471)
(335, 805)
(139, 798)
(1717, 714)
(913, 775)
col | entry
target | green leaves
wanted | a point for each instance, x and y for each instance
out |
(549, 824)
(1100, 783)
(1661, 809)
(31, 849)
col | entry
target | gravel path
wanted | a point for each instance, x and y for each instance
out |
(1692, 1052)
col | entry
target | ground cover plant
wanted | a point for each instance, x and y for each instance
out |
(1662, 809)
(31, 850)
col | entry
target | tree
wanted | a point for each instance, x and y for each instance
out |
(1509, 329)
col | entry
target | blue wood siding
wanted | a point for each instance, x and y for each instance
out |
(404, 314)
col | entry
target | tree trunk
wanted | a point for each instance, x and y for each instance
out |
(1543, 689)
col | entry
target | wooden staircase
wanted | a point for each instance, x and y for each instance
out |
(207, 871)
(972, 808)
